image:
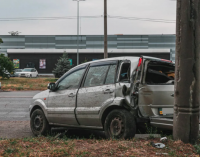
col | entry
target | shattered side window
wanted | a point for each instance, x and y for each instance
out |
(111, 75)
(96, 76)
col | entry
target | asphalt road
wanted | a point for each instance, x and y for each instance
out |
(14, 114)
(15, 105)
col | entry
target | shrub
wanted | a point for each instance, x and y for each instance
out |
(62, 66)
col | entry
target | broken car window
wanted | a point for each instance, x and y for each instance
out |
(96, 76)
(160, 73)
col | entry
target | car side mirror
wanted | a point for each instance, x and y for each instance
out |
(52, 86)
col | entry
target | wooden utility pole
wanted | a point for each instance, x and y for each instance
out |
(186, 108)
(105, 30)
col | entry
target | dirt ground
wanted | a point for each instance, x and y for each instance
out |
(16, 139)
(15, 129)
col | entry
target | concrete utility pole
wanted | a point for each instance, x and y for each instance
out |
(186, 109)
(105, 30)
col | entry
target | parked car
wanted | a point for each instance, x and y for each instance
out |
(28, 72)
(114, 95)
(16, 73)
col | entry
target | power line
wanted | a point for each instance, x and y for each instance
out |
(144, 19)
(74, 17)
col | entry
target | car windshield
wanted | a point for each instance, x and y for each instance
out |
(18, 70)
(28, 70)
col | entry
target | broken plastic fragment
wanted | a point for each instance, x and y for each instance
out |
(158, 145)
(163, 139)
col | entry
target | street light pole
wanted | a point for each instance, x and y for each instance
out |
(105, 30)
(78, 29)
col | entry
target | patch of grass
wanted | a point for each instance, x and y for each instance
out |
(26, 83)
(66, 146)
(83, 154)
(10, 150)
(122, 147)
(172, 153)
(62, 152)
(197, 147)
(151, 131)
(51, 79)
(20, 88)
(14, 142)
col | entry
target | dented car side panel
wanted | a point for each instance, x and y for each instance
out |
(89, 103)
(152, 97)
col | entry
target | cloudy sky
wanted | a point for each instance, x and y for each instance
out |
(58, 17)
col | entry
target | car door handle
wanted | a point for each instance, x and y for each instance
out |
(108, 91)
(71, 95)
(172, 95)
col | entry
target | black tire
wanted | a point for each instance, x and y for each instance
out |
(39, 124)
(120, 124)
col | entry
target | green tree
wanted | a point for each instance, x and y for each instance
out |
(6, 66)
(62, 66)
(1, 41)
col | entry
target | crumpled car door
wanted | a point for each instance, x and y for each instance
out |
(156, 90)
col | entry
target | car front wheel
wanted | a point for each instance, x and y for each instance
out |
(120, 124)
(39, 124)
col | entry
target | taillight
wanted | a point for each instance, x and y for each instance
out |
(140, 62)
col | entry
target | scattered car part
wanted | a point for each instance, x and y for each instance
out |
(163, 139)
(158, 145)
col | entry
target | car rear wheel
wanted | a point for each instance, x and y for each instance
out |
(120, 124)
(39, 124)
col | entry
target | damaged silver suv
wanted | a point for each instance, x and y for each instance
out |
(113, 95)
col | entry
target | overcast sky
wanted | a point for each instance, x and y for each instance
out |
(151, 9)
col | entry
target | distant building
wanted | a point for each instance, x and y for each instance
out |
(37, 50)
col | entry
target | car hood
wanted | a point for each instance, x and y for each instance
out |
(41, 95)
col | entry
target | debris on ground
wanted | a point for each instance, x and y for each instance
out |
(163, 139)
(86, 147)
(158, 145)
(162, 154)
